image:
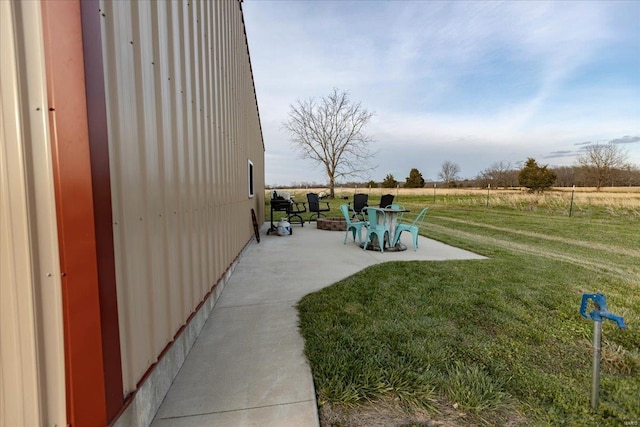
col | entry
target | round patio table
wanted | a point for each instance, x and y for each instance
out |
(391, 220)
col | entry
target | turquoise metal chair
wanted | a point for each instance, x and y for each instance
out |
(413, 228)
(352, 226)
(377, 226)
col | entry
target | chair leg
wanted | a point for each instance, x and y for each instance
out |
(396, 239)
(366, 242)
(292, 217)
(415, 241)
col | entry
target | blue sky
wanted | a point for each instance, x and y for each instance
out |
(469, 82)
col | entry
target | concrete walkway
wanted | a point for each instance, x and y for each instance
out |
(247, 367)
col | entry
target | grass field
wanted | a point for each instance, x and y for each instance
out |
(618, 201)
(494, 342)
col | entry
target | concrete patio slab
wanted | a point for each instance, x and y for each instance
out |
(248, 367)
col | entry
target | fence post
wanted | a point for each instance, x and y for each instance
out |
(571, 205)
(488, 188)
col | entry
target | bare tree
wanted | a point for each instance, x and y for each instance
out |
(599, 161)
(499, 174)
(630, 175)
(331, 133)
(449, 172)
(565, 176)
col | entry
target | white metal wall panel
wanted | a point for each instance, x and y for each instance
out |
(183, 122)
(32, 376)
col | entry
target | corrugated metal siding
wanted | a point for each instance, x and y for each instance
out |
(183, 122)
(32, 377)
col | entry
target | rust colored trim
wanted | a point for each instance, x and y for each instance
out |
(74, 207)
(101, 188)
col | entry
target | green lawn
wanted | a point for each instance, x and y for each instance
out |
(487, 342)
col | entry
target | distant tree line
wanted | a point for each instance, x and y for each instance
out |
(501, 175)
(504, 175)
(599, 165)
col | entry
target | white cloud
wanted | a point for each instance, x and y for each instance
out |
(446, 79)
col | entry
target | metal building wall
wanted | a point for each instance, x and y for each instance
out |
(183, 123)
(32, 370)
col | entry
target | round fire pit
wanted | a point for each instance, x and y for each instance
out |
(332, 224)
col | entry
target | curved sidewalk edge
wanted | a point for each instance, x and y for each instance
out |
(248, 367)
